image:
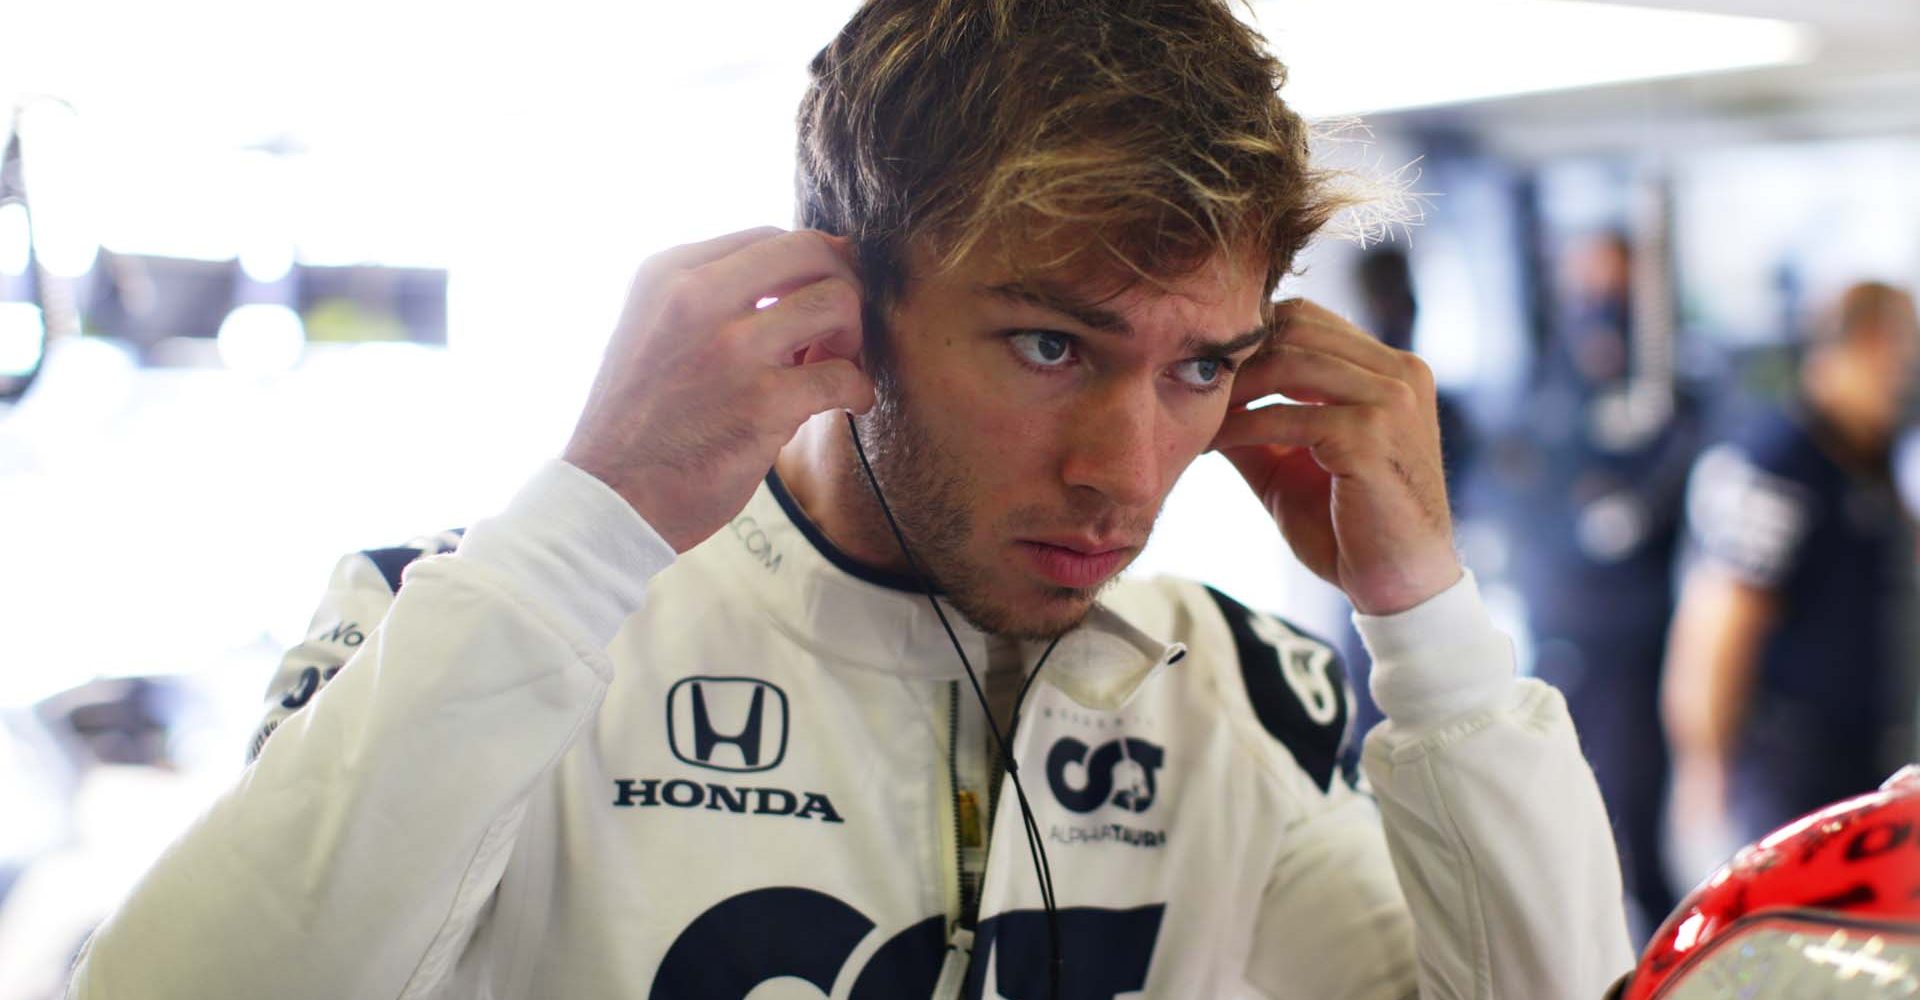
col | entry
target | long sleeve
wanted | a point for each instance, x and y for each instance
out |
(354, 856)
(357, 598)
(1493, 819)
(1332, 922)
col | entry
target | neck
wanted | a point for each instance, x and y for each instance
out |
(822, 472)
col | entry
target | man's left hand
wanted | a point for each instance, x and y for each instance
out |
(1351, 471)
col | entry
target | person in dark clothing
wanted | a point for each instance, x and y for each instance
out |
(1785, 685)
(1588, 489)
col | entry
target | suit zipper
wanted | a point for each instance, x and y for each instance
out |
(959, 952)
(968, 892)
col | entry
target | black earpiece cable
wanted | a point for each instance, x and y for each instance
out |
(1036, 847)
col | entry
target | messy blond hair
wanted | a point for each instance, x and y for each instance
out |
(1133, 139)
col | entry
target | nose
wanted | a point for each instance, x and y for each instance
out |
(1112, 443)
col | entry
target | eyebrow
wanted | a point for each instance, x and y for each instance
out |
(1211, 349)
(1107, 321)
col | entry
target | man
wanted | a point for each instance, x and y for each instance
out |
(1785, 678)
(681, 722)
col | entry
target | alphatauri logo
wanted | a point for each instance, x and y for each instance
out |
(1120, 772)
(734, 724)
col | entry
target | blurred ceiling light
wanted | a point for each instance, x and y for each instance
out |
(23, 337)
(15, 251)
(264, 190)
(259, 338)
(267, 260)
(61, 180)
(1351, 57)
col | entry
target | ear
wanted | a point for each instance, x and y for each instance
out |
(817, 351)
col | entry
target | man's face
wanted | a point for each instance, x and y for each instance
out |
(1877, 365)
(1027, 433)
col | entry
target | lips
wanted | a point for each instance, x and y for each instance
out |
(1076, 564)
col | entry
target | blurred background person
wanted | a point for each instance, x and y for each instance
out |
(1787, 683)
(1592, 497)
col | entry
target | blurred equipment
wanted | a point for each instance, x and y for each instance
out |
(1824, 907)
(153, 302)
(92, 794)
(25, 327)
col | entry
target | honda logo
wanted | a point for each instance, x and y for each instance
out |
(727, 723)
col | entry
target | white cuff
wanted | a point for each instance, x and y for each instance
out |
(572, 543)
(1438, 660)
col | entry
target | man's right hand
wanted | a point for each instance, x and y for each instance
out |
(700, 387)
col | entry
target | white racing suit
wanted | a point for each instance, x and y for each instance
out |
(559, 762)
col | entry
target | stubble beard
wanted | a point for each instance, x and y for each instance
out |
(927, 491)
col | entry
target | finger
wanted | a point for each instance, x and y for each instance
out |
(1307, 324)
(773, 267)
(1295, 469)
(827, 385)
(1292, 425)
(824, 313)
(693, 255)
(1312, 376)
(1322, 331)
